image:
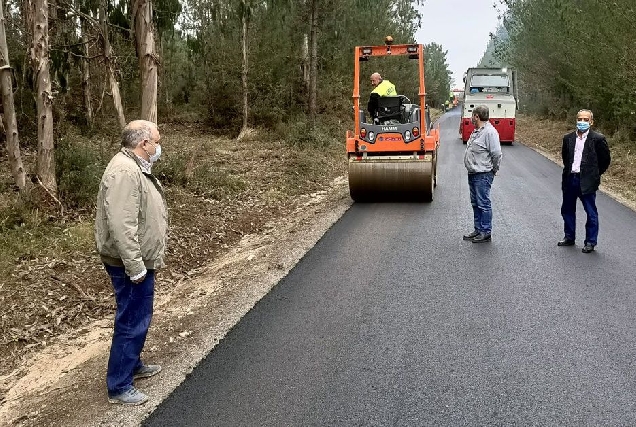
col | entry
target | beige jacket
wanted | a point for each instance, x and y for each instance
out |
(131, 227)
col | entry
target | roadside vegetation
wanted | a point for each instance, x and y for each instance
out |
(572, 54)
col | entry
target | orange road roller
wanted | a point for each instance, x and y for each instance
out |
(392, 153)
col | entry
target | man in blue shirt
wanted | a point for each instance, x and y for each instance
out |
(482, 160)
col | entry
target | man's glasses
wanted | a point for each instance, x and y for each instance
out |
(582, 119)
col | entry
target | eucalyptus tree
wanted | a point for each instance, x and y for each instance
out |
(86, 71)
(143, 26)
(171, 46)
(313, 56)
(109, 63)
(245, 11)
(9, 117)
(72, 32)
(38, 18)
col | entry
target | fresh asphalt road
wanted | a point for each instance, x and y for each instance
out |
(392, 319)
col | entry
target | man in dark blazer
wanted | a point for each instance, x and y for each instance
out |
(586, 157)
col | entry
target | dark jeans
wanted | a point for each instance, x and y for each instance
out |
(479, 185)
(568, 210)
(132, 320)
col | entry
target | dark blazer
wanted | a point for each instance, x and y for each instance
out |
(594, 162)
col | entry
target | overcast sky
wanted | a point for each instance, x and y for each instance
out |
(462, 27)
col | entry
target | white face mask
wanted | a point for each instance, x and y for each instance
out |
(154, 157)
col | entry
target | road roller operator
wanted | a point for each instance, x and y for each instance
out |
(381, 88)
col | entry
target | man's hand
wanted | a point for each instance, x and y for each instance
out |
(138, 281)
(138, 278)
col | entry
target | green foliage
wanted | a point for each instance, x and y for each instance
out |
(215, 182)
(202, 178)
(300, 133)
(171, 170)
(574, 54)
(437, 75)
(79, 168)
(26, 234)
(494, 56)
(17, 213)
(224, 108)
(278, 55)
(118, 18)
(166, 13)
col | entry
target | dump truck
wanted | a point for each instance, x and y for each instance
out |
(497, 89)
(392, 156)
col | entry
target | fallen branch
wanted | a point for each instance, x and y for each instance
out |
(50, 194)
(77, 288)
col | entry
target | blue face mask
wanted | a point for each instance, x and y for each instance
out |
(582, 126)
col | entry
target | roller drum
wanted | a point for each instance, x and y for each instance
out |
(410, 180)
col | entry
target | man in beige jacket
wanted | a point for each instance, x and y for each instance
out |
(131, 232)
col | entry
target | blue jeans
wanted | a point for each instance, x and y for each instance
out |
(132, 320)
(568, 211)
(479, 185)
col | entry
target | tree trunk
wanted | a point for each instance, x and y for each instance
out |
(306, 61)
(8, 116)
(86, 75)
(313, 69)
(163, 82)
(148, 60)
(244, 73)
(110, 70)
(44, 101)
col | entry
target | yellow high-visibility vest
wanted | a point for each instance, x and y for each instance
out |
(385, 88)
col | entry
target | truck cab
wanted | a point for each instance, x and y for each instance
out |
(495, 88)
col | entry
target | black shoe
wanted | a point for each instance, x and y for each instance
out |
(471, 236)
(566, 242)
(587, 248)
(481, 238)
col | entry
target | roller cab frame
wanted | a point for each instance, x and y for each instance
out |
(395, 156)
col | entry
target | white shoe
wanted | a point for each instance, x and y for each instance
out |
(132, 397)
